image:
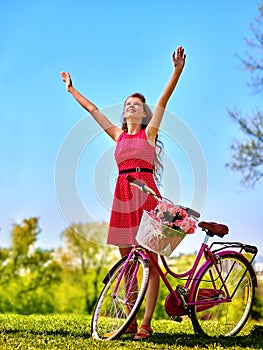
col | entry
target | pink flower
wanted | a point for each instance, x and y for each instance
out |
(163, 206)
(178, 211)
(152, 214)
(188, 225)
(173, 216)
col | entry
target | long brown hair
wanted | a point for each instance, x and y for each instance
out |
(157, 164)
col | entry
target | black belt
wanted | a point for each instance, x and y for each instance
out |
(136, 170)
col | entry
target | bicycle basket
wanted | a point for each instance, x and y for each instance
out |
(157, 237)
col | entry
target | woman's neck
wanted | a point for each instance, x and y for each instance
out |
(133, 128)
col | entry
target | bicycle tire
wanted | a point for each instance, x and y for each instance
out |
(114, 311)
(226, 318)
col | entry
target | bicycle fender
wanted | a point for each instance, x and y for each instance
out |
(118, 263)
(208, 262)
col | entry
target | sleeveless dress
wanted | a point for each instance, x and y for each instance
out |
(129, 202)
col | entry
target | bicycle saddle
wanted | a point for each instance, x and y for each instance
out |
(213, 228)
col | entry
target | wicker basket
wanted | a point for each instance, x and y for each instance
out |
(157, 237)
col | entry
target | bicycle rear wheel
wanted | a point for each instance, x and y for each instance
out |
(226, 317)
(120, 298)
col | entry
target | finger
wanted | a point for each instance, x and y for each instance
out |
(180, 51)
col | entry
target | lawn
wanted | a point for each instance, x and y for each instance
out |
(73, 332)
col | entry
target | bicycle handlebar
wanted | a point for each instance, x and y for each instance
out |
(141, 186)
(144, 188)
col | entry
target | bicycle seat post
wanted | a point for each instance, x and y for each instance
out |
(206, 239)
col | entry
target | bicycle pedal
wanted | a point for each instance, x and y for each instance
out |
(177, 318)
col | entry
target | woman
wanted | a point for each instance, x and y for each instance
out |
(136, 153)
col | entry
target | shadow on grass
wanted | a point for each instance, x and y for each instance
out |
(58, 332)
(251, 340)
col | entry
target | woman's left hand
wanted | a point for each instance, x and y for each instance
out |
(179, 57)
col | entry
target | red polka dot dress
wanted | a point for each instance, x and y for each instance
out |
(132, 151)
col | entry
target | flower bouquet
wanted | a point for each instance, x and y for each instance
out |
(162, 229)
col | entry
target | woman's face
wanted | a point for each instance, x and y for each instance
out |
(134, 108)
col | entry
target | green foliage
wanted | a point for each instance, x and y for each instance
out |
(88, 260)
(16, 297)
(28, 275)
(6, 270)
(45, 281)
(257, 312)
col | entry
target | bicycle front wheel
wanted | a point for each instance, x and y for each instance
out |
(121, 297)
(224, 316)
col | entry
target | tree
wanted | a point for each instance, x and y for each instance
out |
(23, 237)
(5, 269)
(89, 260)
(28, 273)
(247, 156)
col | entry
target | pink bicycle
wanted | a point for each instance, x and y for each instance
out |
(216, 293)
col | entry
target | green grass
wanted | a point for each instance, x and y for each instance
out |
(73, 332)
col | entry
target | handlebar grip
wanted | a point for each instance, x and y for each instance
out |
(193, 213)
(130, 178)
(137, 183)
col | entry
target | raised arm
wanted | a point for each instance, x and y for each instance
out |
(112, 130)
(178, 59)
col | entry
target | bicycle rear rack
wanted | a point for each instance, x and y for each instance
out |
(241, 247)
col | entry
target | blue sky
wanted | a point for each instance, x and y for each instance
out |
(111, 49)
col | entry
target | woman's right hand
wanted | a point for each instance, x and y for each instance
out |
(178, 57)
(66, 79)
